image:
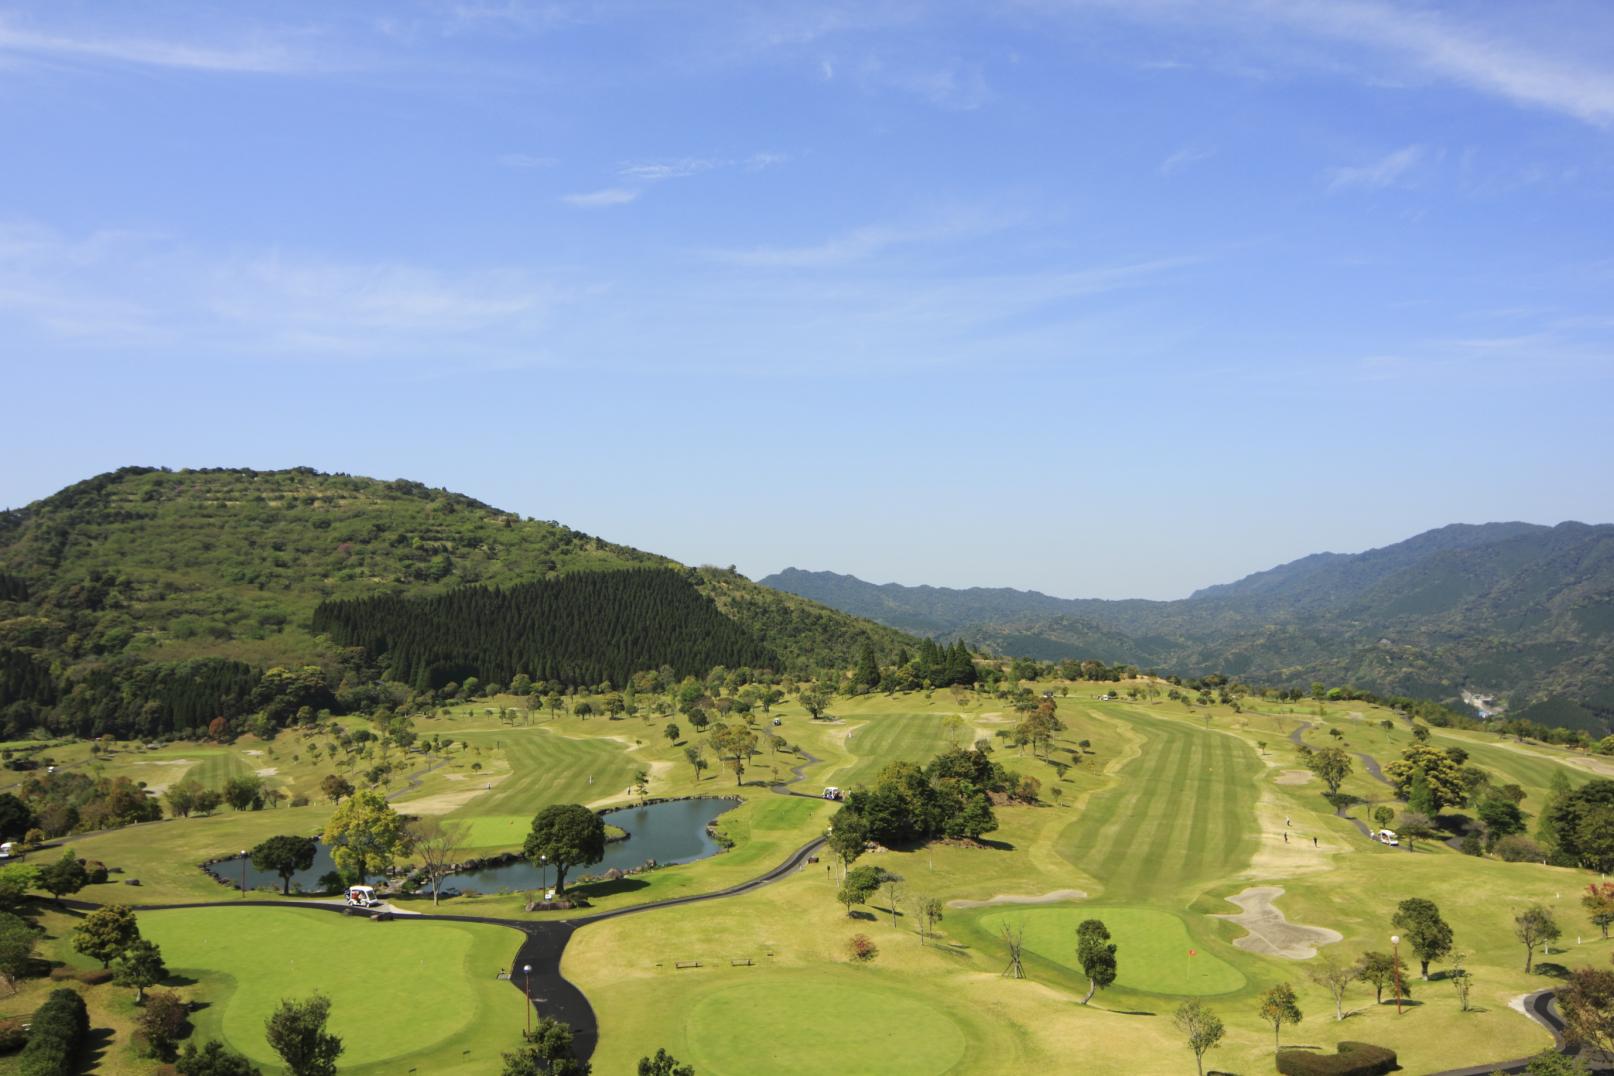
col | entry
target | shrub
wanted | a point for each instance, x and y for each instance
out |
(96, 870)
(56, 1035)
(1517, 848)
(1353, 1059)
(299, 800)
(164, 1021)
(862, 948)
(1471, 846)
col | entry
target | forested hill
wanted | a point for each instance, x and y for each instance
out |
(1521, 610)
(168, 593)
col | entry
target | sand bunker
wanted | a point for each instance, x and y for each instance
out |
(1270, 934)
(1293, 777)
(1054, 897)
(268, 771)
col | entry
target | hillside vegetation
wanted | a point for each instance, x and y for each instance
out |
(148, 601)
(1515, 609)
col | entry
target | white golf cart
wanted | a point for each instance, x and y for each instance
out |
(1387, 836)
(362, 896)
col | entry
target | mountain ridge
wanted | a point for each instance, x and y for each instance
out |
(1520, 609)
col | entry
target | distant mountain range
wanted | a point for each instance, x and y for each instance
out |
(1518, 610)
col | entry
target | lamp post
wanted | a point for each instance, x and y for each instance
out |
(1395, 962)
(526, 970)
(543, 861)
(243, 873)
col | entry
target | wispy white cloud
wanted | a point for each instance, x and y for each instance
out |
(1183, 158)
(526, 160)
(604, 198)
(656, 171)
(255, 57)
(1376, 175)
(860, 244)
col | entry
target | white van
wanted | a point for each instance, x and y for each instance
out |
(362, 896)
(1387, 836)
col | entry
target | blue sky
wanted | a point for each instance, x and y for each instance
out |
(1098, 298)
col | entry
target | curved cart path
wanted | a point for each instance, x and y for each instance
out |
(783, 787)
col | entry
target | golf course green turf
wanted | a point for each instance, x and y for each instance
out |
(892, 738)
(545, 768)
(813, 1023)
(405, 994)
(1181, 816)
(1152, 947)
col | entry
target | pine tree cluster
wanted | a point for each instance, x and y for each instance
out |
(578, 630)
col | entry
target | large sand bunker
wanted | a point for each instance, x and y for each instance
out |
(1270, 933)
(1293, 777)
(1054, 897)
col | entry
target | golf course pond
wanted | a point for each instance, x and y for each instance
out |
(672, 831)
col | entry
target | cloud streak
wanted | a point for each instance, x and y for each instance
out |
(1387, 171)
(265, 57)
(604, 198)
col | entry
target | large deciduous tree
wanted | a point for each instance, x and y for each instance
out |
(565, 835)
(1535, 926)
(284, 855)
(1426, 932)
(1587, 1004)
(365, 835)
(437, 847)
(105, 933)
(140, 965)
(296, 1031)
(1443, 774)
(1332, 765)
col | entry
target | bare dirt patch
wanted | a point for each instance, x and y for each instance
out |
(446, 802)
(1270, 932)
(1057, 896)
(1293, 777)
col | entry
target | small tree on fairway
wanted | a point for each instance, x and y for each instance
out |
(547, 1051)
(1335, 978)
(285, 856)
(1599, 904)
(1533, 926)
(671, 732)
(664, 1064)
(861, 884)
(1202, 1028)
(1278, 1007)
(1096, 954)
(141, 965)
(1379, 969)
(847, 836)
(1461, 980)
(336, 787)
(697, 759)
(568, 835)
(1420, 922)
(1383, 816)
(164, 1021)
(17, 938)
(438, 849)
(1332, 765)
(892, 884)
(105, 933)
(66, 875)
(928, 911)
(296, 1031)
(1013, 937)
(213, 1060)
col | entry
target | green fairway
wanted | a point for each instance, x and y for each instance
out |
(892, 738)
(1180, 817)
(545, 768)
(820, 1024)
(1152, 947)
(377, 975)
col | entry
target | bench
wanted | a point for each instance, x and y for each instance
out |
(687, 964)
(742, 962)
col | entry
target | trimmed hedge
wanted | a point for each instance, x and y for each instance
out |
(55, 1036)
(1353, 1059)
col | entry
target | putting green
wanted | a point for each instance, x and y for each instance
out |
(845, 1024)
(416, 990)
(1152, 947)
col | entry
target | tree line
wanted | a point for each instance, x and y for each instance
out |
(578, 629)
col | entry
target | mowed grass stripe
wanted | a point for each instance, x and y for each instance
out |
(890, 738)
(217, 768)
(1181, 813)
(1112, 844)
(546, 768)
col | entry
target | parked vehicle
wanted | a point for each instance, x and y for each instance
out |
(8, 849)
(362, 896)
(1387, 836)
(832, 793)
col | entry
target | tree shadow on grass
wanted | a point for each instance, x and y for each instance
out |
(609, 888)
(1123, 1012)
(1551, 970)
(173, 980)
(1000, 846)
(96, 1045)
